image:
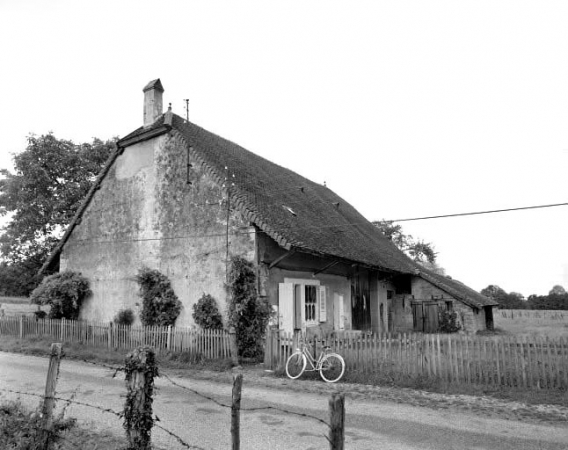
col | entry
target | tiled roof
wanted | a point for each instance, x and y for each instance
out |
(456, 289)
(294, 211)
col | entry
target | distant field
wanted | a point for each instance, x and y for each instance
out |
(553, 324)
(18, 306)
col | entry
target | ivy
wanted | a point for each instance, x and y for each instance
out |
(64, 292)
(248, 313)
(206, 313)
(138, 420)
(448, 322)
(160, 304)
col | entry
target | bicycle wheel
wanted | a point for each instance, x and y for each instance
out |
(295, 365)
(332, 367)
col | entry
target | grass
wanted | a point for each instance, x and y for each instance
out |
(531, 326)
(21, 429)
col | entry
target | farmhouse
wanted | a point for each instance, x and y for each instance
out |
(180, 199)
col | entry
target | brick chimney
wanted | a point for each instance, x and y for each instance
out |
(152, 101)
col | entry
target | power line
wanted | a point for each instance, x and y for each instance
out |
(480, 212)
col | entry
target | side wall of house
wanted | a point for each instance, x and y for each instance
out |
(147, 214)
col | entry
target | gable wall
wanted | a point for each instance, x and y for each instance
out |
(145, 213)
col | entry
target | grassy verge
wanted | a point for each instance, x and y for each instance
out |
(21, 429)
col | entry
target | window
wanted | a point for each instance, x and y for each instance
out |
(311, 304)
(449, 306)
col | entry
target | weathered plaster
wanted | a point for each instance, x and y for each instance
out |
(146, 214)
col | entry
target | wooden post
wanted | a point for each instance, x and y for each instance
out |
(138, 421)
(21, 327)
(337, 422)
(236, 412)
(169, 338)
(50, 384)
(234, 346)
(110, 335)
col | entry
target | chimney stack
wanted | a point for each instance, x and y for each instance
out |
(152, 101)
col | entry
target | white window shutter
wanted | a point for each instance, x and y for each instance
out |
(286, 307)
(322, 304)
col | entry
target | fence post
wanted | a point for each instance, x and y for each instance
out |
(62, 329)
(50, 384)
(234, 346)
(337, 422)
(141, 369)
(110, 335)
(21, 327)
(236, 412)
(169, 338)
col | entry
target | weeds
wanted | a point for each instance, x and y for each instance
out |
(22, 430)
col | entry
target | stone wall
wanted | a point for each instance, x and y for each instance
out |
(147, 214)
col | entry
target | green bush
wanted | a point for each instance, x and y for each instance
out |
(64, 292)
(448, 322)
(248, 313)
(206, 313)
(124, 317)
(160, 304)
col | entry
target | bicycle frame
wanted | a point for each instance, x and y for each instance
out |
(315, 364)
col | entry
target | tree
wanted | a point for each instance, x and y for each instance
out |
(557, 290)
(512, 300)
(50, 180)
(418, 250)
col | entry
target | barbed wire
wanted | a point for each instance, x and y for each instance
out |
(107, 410)
(244, 409)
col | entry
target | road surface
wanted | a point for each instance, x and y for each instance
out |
(370, 424)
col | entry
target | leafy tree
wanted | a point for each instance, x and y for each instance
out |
(557, 290)
(552, 301)
(64, 292)
(512, 300)
(419, 250)
(50, 180)
(160, 304)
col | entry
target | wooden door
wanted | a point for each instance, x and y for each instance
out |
(430, 317)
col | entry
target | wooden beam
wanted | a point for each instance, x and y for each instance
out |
(281, 258)
(323, 269)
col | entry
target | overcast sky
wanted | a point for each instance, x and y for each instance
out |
(405, 109)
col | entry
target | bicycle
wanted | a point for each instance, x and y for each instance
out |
(330, 365)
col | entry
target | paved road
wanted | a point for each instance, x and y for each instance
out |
(200, 422)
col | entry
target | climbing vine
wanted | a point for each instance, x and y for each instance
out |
(248, 312)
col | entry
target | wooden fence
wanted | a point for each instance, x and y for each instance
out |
(211, 344)
(528, 362)
(559, 314)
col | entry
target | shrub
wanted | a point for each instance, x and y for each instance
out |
(64, 292)
(248, 313)
(206, 313)
(124, 317)
(448, 322)
(160, 304)
(22, 429)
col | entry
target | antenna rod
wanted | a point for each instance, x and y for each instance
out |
(186, 100)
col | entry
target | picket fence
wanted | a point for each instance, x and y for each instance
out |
(210, 344)
(528, 362)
